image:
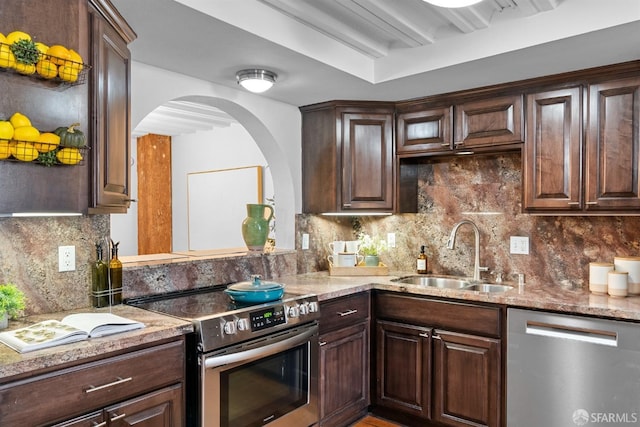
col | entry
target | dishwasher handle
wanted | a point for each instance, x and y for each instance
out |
(553, 330)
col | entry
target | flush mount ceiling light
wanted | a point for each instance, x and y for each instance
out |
(256, 80)
(453, 3)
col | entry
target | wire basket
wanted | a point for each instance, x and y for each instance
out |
(43, 153)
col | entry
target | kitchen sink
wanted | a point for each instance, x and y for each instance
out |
(452, 283)
(487, 287)
(436, 282)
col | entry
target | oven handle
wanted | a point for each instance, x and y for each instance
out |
(225, 359)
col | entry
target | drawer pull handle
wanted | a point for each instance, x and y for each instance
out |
(117, 417)
(459, 143)
(425, 335)
(573, 203)
(322, 343)
(347, 313)
(91, 388)
(592, 203)
(436, 337)
(446, 144)
(102, 424)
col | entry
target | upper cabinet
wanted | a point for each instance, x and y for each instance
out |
(347, 157)
(613, 146)
(565, 171)
(425, 128)
(110, 101)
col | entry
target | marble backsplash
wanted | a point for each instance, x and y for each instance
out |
(486, 190)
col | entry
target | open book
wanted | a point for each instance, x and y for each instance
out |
(75, 327)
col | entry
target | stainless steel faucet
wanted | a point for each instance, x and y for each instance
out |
(452, 244)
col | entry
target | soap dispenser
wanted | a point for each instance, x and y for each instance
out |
(421, 262)
(115, 276)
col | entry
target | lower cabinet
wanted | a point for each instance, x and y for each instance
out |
(158, 409)
(438, 362)
(142, 387)
(344, 360)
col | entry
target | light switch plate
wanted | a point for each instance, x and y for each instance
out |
(305, 241)
(519, 245)
(391, 240)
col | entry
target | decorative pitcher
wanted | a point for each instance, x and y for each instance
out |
(255, 227)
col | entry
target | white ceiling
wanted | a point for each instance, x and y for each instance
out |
(377, 49)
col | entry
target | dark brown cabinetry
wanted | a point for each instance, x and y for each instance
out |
(111, 109)
(552, 163)
(146, 382)
(347, 157)
(438, 361)
(613, 146)
(344, 360)
(597, 172)
(464, 126)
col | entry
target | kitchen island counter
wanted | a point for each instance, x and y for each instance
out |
(158, 328)
(530, 295)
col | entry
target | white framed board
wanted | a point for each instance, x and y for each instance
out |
(217, 202)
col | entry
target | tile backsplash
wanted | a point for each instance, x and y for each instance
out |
(486, 190)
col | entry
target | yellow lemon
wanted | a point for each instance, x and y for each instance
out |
(24, 151)
(46, 142)
(7, 58)
(26, 133)
(17, 35)
(5, 149)
(26, 69)
(69, 156)
(67, 73)
(76, 59)
(6, 130)
(42, 48)
(46, 69)
(59, 54)
(19, 120)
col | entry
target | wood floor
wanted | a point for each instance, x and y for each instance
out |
(371, 421)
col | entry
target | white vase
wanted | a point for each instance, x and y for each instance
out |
(4, 320)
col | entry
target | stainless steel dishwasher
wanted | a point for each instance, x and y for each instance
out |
(565, 370)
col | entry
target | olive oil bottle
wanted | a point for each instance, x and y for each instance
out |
(99, 285)
(115, 276)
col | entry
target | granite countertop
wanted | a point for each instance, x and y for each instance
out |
(531, 295)
(157, 328)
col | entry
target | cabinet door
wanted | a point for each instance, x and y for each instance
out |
(424, 131)
(403, 365)
(613, 146)
(344, 375)
(162, 408)
(111, 126)
(494, 121)
(367, 161)
(467, 380)
(552, 152)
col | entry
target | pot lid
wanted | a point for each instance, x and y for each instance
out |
(256, 284)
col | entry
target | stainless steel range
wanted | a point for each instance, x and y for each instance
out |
(249, 365)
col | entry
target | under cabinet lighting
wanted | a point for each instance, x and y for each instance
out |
(356, 213)
(38, 214)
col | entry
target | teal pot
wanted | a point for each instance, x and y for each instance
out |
(371, 260)
(4, 320)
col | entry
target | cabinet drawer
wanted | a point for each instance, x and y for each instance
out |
(456, 316)
(80, 389)
(342, 312)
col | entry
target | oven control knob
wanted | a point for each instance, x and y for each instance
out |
(313, 307)
(304, 309)
(294, 311)
(229, 328)
(242, 324)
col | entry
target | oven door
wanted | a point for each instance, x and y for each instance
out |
(268, 381)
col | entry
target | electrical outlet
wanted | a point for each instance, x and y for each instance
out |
(519, 245)
(305, 241)
(66, 258)
(391, 240)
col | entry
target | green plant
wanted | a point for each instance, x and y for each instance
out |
(371, 245)
(12, 300)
